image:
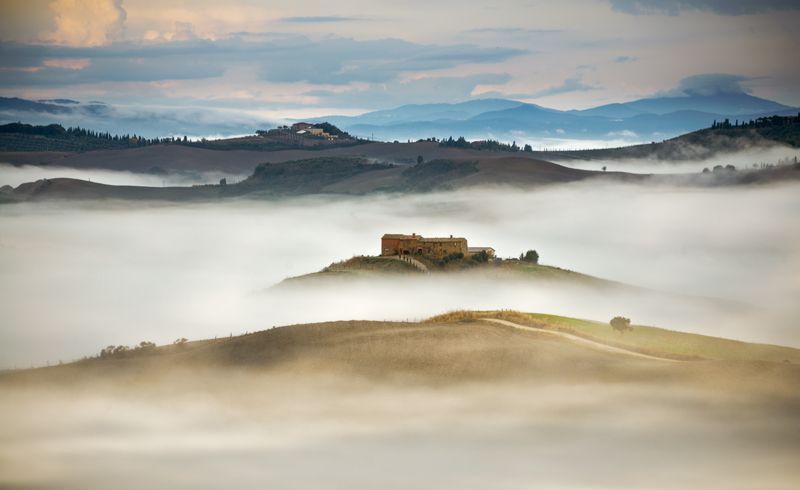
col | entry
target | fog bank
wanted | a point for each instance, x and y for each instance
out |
(77, 277)
(742, 160)
(272, 433)
(14, 175)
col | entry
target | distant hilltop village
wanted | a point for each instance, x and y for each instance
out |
(305, 131)
(436, 248)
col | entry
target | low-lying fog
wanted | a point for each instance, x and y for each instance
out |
(742, 161)
(14, 175)
(77, 277)
(266, 433)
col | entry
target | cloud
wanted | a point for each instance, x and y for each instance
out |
(711, 84)
(48, 65)
(67, 63)
(625, 59)
(182, 31)
(341, 60)
(568, 85)
(286, 59)
(417, 91)
(721, 7)
(514, 30)
(319, 19)
(143, 119)
(87, 22)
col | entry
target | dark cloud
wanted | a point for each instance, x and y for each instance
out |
(722, 7)
(625, 59)
(711, 84)
(277, 59)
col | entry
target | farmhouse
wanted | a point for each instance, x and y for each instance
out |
(476, 250)
(398, 244)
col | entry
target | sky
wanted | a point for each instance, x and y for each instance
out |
(301, 59)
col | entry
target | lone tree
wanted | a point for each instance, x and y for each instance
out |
(621, 324)
(420, 160)
(531, 256)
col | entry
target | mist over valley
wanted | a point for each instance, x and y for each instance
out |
(360, 245)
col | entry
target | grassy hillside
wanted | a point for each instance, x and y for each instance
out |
(322, 175)
(698, 145)
(644, 339)
(357, 267)
(454, 347)
(74, 189)
(375, 267)
(307, 176)
(260, 410)
(87, 149)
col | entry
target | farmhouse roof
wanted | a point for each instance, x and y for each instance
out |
(479, 249)
(449, 239)
(399, 236)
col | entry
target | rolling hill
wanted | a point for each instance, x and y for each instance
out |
(326, 175)
(358, 176)
(457, 347)
(365, 267)
(705, 143)
(236, 159)
(305, 404)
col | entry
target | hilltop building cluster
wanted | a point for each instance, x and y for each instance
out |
(437, 248)
(300, 130)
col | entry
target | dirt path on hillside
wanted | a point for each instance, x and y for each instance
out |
(580, 340)
(411, 260)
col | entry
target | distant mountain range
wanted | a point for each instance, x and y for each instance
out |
(643, 120)
(647, 119)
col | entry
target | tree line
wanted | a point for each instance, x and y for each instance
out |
(492, 145)
(77, 133)
(761, 122)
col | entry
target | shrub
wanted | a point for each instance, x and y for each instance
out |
(450, 258)
(113, 351)
(481, 256)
